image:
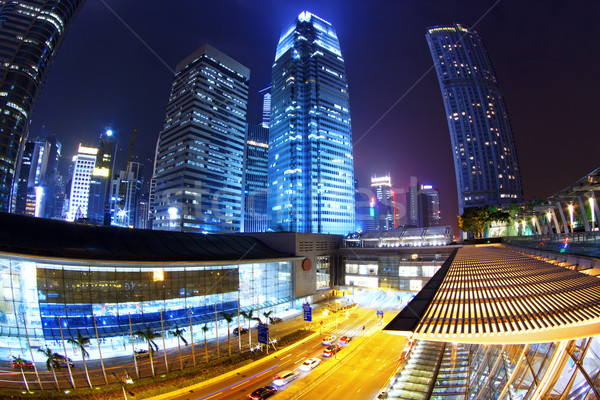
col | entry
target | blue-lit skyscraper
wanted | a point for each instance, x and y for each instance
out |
(485, 157)
(199, 157)
(311, 172)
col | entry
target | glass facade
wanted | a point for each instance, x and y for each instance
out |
(30, 34)
(557, 370)
(255, 178)
(198, 169)
(485, 157)
(311, 167)
(49, 300)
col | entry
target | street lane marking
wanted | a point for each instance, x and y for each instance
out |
(237, 384)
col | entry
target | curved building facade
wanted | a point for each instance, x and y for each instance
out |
(60, 279)
(485, 156)
(30, 34)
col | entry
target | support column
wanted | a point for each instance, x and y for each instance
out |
(556, 225)
(586, 223)
(595, 210)
(562, 217)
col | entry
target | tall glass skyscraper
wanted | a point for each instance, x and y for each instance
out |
(198, 168)
(311, 171)
(485, 157)
(30, 33)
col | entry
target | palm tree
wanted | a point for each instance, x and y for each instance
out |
(205, 329)
(80, 342)
(49, 354)
(20, 362)
(249, 316)
(178, 333)
(149, 337)
(229, 318)
(267, 315)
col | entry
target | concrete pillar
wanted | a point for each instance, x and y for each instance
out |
(586, 223)
(595, 210)
(555, 220)
(562, 217)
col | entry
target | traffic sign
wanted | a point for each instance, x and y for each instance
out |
(307, 312)
(263, 333)
(380, 313)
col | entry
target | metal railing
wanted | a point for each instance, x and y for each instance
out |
(577, 243)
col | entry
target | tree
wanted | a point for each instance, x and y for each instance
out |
(249, 316)
(267, 314)
(229, 318)
(149, 337)
(49, 355)
(178, 333)
(477, 220)
(81, 342)
(21, 362)
(205, 329)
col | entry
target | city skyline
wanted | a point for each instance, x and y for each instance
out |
(138, 89)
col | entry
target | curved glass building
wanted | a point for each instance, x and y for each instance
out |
(311, 170)
(485, 156)
(30, 34)
(59, 279)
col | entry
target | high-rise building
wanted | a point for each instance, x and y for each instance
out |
(266, 111)
(485, 157)
(255, 179)
(429, 206)
(198, 170)
(83, 166)
(384, 204)
(412, 203)
(125, 196)
(36, 186)
(30, 34)
(311, 172)
(99, 204)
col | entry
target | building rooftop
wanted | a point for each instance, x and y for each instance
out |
(39, 237)
(491, 294)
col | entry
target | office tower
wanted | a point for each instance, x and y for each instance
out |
(364, 211)
(200, 151)
(255, 178)
(36, 186)
(412, 205)
(385, 203)
(485, 157)
(311, 173)
(30, 34)
(125, 196)
(83, 166)
(266, 111)
(102, 176)
(429, 206)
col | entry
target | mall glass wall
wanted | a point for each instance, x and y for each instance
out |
(45, 301)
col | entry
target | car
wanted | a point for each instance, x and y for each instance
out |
(274, 320)
(345, 339)
(310, 364)
(263, 393)
(284, 378)
(331, 350)
(58, 360)
(21, 363)
(328, 340)
(240, 331)
(141, 354)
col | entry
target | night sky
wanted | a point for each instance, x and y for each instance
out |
(116, 65)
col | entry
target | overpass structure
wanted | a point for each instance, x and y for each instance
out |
(496, 323)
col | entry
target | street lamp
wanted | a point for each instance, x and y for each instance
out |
(571, 215)
(593, 213)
